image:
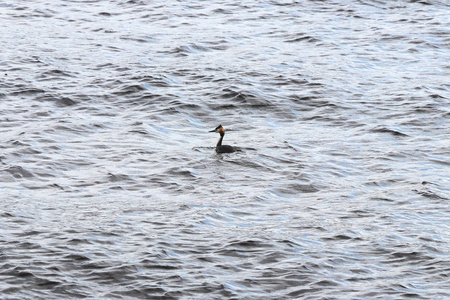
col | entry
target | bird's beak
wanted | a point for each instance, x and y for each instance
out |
(212, 130)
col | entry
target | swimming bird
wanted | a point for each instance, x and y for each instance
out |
(219, 147)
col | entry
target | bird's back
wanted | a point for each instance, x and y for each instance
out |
(225, 149)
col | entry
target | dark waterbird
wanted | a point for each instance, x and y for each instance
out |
(219, 147)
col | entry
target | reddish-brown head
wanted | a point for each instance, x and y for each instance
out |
(218, 129)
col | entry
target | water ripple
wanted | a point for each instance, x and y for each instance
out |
(111, 187)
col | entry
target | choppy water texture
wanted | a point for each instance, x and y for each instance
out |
(111, 188)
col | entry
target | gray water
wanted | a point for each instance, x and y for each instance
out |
(110, 186)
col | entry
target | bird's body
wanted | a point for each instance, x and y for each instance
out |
(219, 147)
(225, 149)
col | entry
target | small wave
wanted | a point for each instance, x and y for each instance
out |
(27, 91)
(390, 131)
(118, 177)
(19, 172)
(304, 38)
(57, 100)
(130, 89)
(293, 189)
(240, 98)
(55, 73)
(190, 49)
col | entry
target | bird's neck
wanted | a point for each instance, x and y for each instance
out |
(219, 143)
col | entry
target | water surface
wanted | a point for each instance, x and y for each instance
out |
(111, 188)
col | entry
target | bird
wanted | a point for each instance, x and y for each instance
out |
(219, 147)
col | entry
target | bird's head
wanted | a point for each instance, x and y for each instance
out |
(218, 129)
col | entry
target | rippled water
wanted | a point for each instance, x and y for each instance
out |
(111, 188)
